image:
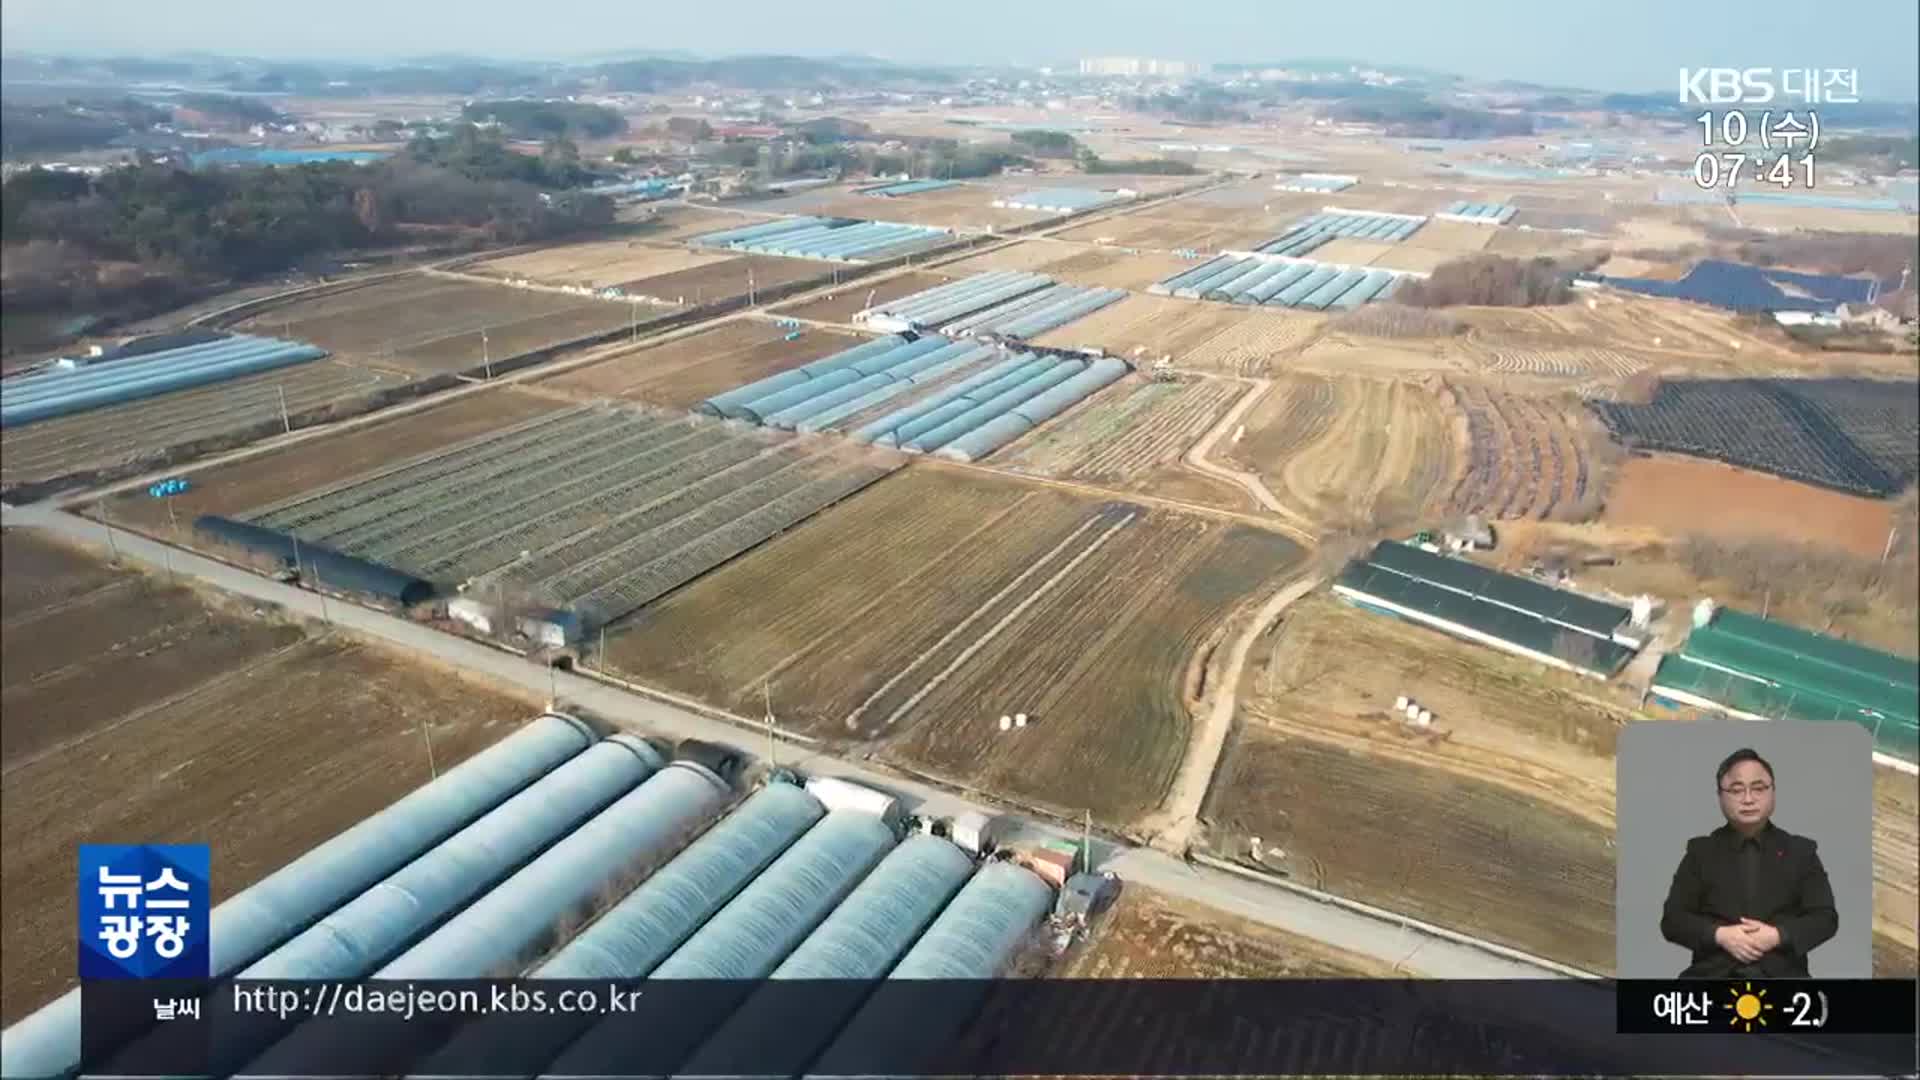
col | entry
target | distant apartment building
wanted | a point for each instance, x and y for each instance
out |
(1139, 65)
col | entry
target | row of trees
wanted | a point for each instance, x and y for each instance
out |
(1494, 281)
(65, 232)
(532, 119)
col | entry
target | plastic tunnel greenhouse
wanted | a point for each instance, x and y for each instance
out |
(271, 911)
(746, 940)
(630, 939)
(860, 942)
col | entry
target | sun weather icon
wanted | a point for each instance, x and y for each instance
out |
(1748, 1006)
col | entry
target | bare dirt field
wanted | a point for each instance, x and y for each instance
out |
(1821, 219)
(843, 304)
(1149, 935)
(429, 325)
(596, 264)
(1526, 456)
(1542, 738)
(1094, 265)
(1678, 494)
(1456, 851)
(727, 278)
(679, 222)
(1332, 449)
(1417, 259)
(1149, 327)
(1455, 236)
(914, 615)
(147, 713)
(1525, 243)
(1349, 252)
(1263, 341)
(1155, 229)
(262, 478)
(682, 372)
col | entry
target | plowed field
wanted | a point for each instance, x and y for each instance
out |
(138, 712)
(725, 279)
(1336, 449)
(1131, 436)
(1526, 456)
(597, 264)
(917, 613)
(683, 371)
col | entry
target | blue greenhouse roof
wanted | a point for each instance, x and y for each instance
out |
(1740, 287)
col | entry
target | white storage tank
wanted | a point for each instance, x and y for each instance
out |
(837, 794)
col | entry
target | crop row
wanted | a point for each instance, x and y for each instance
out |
(353, 521)
(1572, 363)
(1828, 435)
(598, 501)
(460, 512)
(1166, 434)
(702, 553)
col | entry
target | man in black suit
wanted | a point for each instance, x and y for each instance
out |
(1750, 899)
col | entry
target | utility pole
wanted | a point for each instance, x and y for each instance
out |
(426, 733)
(773, 746)
(1086, 843)
(319, 589)
(285, 420)
(1887, 551)
(486, 354)
(113, 550)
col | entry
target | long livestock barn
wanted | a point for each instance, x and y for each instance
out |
(1316, 183)
(975, 400)
(1280, 282)
(558, 854)
(1005, 304)
(1758, 669)
(907, 187)
(1554, 626)
(594, 510)
(831, 239)
(67, 390)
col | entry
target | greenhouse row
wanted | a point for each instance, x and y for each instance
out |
(974, 417)
(1477, 213)
(831, 239)
(558, 854)
(1253, 279)
(1061, 200)
(1316, 183)
(908, 187)
(64, 391)
(1007, 304)
(1352, 224)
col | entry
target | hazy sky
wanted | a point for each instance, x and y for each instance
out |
(1611, 44)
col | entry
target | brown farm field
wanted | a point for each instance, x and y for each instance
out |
(1148, 327)
(1077, 264)
(238, 486)
(682, 372)
(1132, 436)
(596, 264)
(912, 616)
(1160, 230)
(843, 304)
(727, 279)
(1339, 449)
(1678, 495)
(1458, 237)
(1514, 742)
(1525, 456)
(138, 712)
(1149, 935)
(427, 324)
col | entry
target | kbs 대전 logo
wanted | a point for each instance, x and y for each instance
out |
(1763, 86)
(143, 911)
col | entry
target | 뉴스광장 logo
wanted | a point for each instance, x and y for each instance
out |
(144, 911)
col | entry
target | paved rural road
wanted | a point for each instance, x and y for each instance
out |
(1421, 952)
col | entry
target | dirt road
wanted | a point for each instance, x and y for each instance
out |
(1172, 826)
